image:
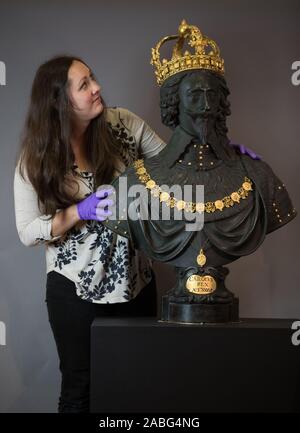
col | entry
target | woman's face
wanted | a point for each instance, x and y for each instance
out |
(84, 92)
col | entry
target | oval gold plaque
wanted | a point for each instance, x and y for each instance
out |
(201, 284)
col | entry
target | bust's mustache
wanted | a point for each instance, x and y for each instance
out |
(202, 121)
(201, 114)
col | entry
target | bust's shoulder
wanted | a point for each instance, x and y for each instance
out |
(257, 167)
(273, 191)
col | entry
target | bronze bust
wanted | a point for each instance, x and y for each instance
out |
(243, 199)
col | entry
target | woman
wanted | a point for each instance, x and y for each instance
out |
(72, 145)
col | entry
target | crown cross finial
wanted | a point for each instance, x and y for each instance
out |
(206, 56)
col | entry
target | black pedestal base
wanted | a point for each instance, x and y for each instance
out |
(199, 313)
(141, 366)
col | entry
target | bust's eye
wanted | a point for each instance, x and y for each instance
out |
(212, 94)
(196, 92)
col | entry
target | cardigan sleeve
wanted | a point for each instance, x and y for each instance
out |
(33, 227)
(148, 142)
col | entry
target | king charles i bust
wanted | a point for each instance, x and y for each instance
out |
(241, 200)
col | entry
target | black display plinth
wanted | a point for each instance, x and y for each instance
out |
(142, 365)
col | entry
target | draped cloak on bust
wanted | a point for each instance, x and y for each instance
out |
(226, 235)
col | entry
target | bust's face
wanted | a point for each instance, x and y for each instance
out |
(199, 94)
(199, 100)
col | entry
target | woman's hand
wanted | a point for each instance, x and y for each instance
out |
(95, 206)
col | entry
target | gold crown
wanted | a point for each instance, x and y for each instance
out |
(206, 56)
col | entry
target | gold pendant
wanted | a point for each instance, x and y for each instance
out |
(201, 258)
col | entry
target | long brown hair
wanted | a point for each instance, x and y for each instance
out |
(45, 151)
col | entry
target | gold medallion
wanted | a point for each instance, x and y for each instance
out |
(210, 207)
(200, 207)
(219, 204)
(155, 191)
(141, 170)
(164, 196)
(138, 163)
(150, 184)
(180, 204)
(201, 285)
(201, 258)
(190, 206)
(171, 202)
(235, 197)
(247, 186)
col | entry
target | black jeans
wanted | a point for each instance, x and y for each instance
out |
(70, 318)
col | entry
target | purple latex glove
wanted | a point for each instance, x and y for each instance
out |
(244, 150)
(92, 207)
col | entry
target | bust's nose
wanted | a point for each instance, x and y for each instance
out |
(206, 101)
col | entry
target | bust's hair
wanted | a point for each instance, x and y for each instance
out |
(169, 99)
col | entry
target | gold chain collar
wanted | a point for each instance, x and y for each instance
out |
(190, 206)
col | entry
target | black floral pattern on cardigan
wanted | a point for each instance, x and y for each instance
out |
(117, 258)
(126, 141)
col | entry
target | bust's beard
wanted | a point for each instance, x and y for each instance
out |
(205, 130)
(202, 128)
(202, 123)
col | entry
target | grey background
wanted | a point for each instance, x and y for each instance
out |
(259, 42)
